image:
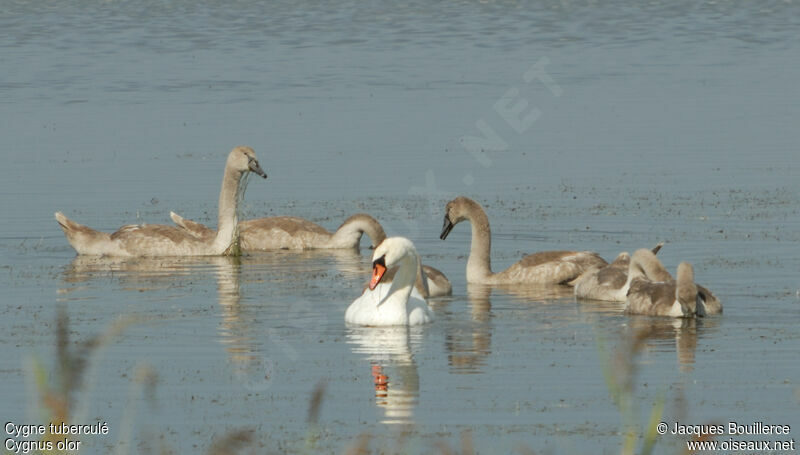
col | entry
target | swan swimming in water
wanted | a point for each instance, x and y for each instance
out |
(611, 283)
(395, 303)
(294, 233)
(681, 297)
(544, 268)
(161, 240)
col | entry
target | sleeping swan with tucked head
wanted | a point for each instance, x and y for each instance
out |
(395, 303)
(161, 240)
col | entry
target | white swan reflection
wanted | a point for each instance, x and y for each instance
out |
(389, 351)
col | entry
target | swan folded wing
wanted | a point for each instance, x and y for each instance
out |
(650, 298)
(292, 225)
(155, 239)
(283, 232)
(271, 233)
(612, 277)
(606, 284)
(552, 267)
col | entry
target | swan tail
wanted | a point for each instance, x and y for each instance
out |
(657, 248)
(84, 239)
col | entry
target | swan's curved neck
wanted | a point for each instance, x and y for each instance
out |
(479, 266)
(349, 233)
(396, 299)
(227, 239)
(685, 289)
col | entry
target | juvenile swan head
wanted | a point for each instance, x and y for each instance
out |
(243, 159)
(389, 254)
(457, 211)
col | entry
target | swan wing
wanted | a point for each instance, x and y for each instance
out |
(650, 298)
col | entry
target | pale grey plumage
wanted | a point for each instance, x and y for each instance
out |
(663, 296)
(543, 268)
(609, 283)
(161, 240)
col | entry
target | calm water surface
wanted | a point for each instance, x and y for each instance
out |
(640, 123)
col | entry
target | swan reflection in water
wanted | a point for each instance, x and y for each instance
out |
(239, 330)
(393, 369)
(142, 273)
(251, 346)
(172, 273)
(654, 332)
(683, 332)
(468, 343)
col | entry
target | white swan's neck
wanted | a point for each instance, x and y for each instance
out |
(227, 239)
(396, 300)
(479, 265)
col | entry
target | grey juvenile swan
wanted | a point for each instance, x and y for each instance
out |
(544, 268)
(665, 296)
(161, 240)
(611, 283)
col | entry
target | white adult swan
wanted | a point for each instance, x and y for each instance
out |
(161, 240)
(668, 297)
(294, 233)
(611, 283)
(544, 268)
(395, 303)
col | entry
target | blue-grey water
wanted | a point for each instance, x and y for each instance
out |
(578, 125)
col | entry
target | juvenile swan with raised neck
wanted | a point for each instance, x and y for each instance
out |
(161, 240)
(544, 268)
(653, 292)
(609, 283)
(395, 303)
(293, 233)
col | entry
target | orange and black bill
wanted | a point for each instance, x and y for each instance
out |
(378, 269)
